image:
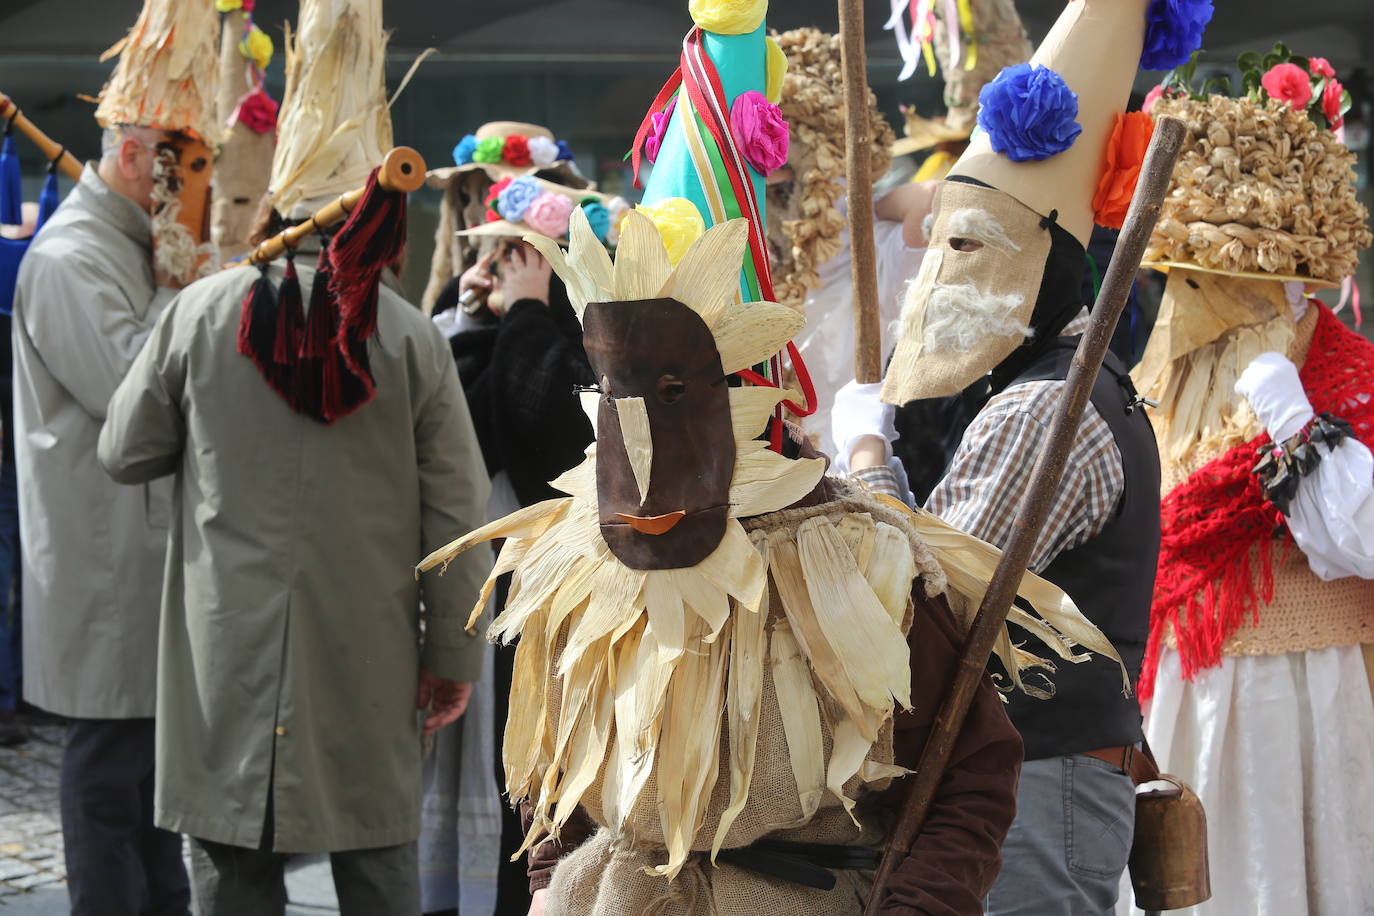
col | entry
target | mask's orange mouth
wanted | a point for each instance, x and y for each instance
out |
(652, 524)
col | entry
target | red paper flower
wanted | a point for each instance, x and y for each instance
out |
(1125, 152)
(491, 216)
(1331, 103)
(1320, 66)
(517, 150)
(1288, 83)
(256, 111)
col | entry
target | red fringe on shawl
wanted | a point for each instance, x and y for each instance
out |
(1218, 527)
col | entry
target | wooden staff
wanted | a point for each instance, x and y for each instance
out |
(51, 150)
(1155, 175)
(402, 170)
(858, 168)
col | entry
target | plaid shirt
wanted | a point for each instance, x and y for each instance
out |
(982, 489)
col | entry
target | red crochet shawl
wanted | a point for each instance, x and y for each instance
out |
(1216, 552)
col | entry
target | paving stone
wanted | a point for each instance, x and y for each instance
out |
(36, 855)
(13, 869)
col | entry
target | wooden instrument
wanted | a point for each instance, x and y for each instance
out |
(402, 170)
(51, 150)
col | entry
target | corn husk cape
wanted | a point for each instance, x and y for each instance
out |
(335, 125)
(627, 674)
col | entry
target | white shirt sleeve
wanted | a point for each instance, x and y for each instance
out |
(1332, 516)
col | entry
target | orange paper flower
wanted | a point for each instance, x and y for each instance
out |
(1125, 152)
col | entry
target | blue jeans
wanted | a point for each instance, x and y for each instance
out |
(1069, 844)
(11, 613)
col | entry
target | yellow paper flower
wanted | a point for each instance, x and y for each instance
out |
(728, 17)
(228, 6)
(777, 70)
(678, 222)
(257, 47)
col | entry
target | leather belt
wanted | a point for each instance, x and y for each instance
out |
(807, 864)
(1133, 761)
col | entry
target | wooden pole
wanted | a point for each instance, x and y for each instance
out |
(1030, 518)
(403, 170)
(50, 149)
(858, 168)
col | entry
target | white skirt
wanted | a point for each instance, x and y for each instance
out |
(1280, 748)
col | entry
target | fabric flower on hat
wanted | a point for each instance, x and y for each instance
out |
(489, 150)
(462, 152)
(659, 121)
(1154, 95)
(679, 223)
(256, 111)
(515, 198)
(1173, 31)
(598, 218)
(548, 214)
(728, 17)
(257, 47)
(1320, 66)
(1333, 95)
(1125, 154)
(516, 150)
(1029, 113)
(761, 131)
(228, 6)
(1288, 83)
(543, 152)
(565, 152)
(494, 195)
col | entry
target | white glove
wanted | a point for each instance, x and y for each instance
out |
(1271, 384)
(859, 412)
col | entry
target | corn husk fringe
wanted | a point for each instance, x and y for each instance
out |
(335, 126)
(629, 675)
(168, 71)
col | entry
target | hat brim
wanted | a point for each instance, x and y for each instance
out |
(925, 133)
(560, 172)
(1165, 266)
(501, 228)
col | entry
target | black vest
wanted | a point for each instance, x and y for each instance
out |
(1110, 577)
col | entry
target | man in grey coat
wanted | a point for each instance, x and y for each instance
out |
(93, 551)
(291, 646)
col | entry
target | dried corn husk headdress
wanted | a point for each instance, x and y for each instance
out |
(167, 79)
(335, 125)
(167, 76)
(805, 226)
(1259, 190)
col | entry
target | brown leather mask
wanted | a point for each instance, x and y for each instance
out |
(195, 164)
(662, 389)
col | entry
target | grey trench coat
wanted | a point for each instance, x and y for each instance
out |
(92, 550)
(290, 643)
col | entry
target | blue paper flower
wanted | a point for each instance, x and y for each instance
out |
(1029, 113)
(598, 217)
(515, 198)
(564, 151)
(1173, 31)
(462, 153)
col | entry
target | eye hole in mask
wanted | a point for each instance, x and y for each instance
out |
(959, 243)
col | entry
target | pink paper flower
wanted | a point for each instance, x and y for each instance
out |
(1154, 95)
(1288, 83)
(760, 130)
(659, 121)
(1320, 66)
(548, 214)
(1331, 103)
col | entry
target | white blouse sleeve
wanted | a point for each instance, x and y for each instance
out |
(1332, 515)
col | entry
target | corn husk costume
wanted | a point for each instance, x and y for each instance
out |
(333, 131)
(167, 79)
(706, 655)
